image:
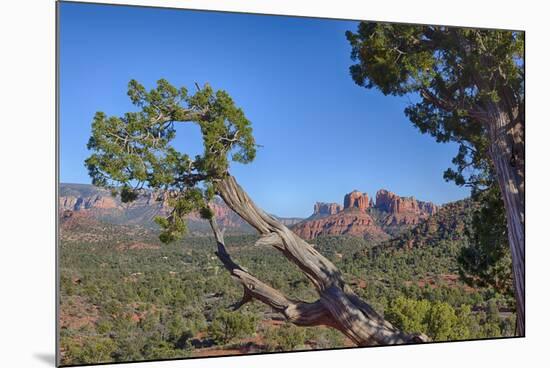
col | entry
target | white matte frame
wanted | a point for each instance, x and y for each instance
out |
(28, 211)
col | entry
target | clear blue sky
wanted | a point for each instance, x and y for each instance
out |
(322, 135)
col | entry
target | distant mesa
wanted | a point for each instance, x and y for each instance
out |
(322, 209)
(77, 203)
(288, 221)
(82, 202)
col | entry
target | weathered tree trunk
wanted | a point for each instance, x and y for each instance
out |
(505, 125)
(507, 151)
(337, 306)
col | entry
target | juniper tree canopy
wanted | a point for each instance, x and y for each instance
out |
(135, 151)
(470, 83)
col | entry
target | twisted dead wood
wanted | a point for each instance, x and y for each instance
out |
(338, 306)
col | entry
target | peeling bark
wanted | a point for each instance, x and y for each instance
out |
(506, 134)
(337, 306)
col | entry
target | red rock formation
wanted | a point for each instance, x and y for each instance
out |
(403, 210)
(349, 222)
(386, 201)
(354, 219)
(326, 209)
(356, 199)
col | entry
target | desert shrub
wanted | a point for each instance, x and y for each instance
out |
(104, 326)
(324, 338)
(228, 326)
(439, 320)
(408, 314)
(285, 338)
(163, 350)
(508, 326)
(93, 350)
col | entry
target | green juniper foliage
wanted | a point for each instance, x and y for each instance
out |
(228, 326)
(134, 152)
(444, 65)
(486, 260)
(457, 73)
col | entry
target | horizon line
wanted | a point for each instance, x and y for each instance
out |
(317, 201)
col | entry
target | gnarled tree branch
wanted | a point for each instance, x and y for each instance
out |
(298, 312)
(337, 306)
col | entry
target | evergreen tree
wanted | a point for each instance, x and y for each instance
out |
(470, 84)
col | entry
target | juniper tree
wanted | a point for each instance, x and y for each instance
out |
(470, 84)
(486, 261)
(135, 152)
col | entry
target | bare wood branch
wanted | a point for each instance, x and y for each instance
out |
(298, 312)
(337, 306)
(245, 299)
(271, 239)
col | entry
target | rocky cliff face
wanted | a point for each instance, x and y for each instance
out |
(357, 200)
(349, 222)
(392, 203)
(403, 210)
(322, 209)
(361, 216)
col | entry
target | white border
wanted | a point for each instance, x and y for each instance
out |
(27, 205)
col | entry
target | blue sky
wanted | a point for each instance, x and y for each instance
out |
(321, 135)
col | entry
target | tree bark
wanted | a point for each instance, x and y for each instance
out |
(337, 306)
(504, 122)
(507, 151)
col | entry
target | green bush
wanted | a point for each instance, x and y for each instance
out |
(285, 338)
(439, 320)
(324, 338)
(93, 350)
(408, 314)
(228, 326)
